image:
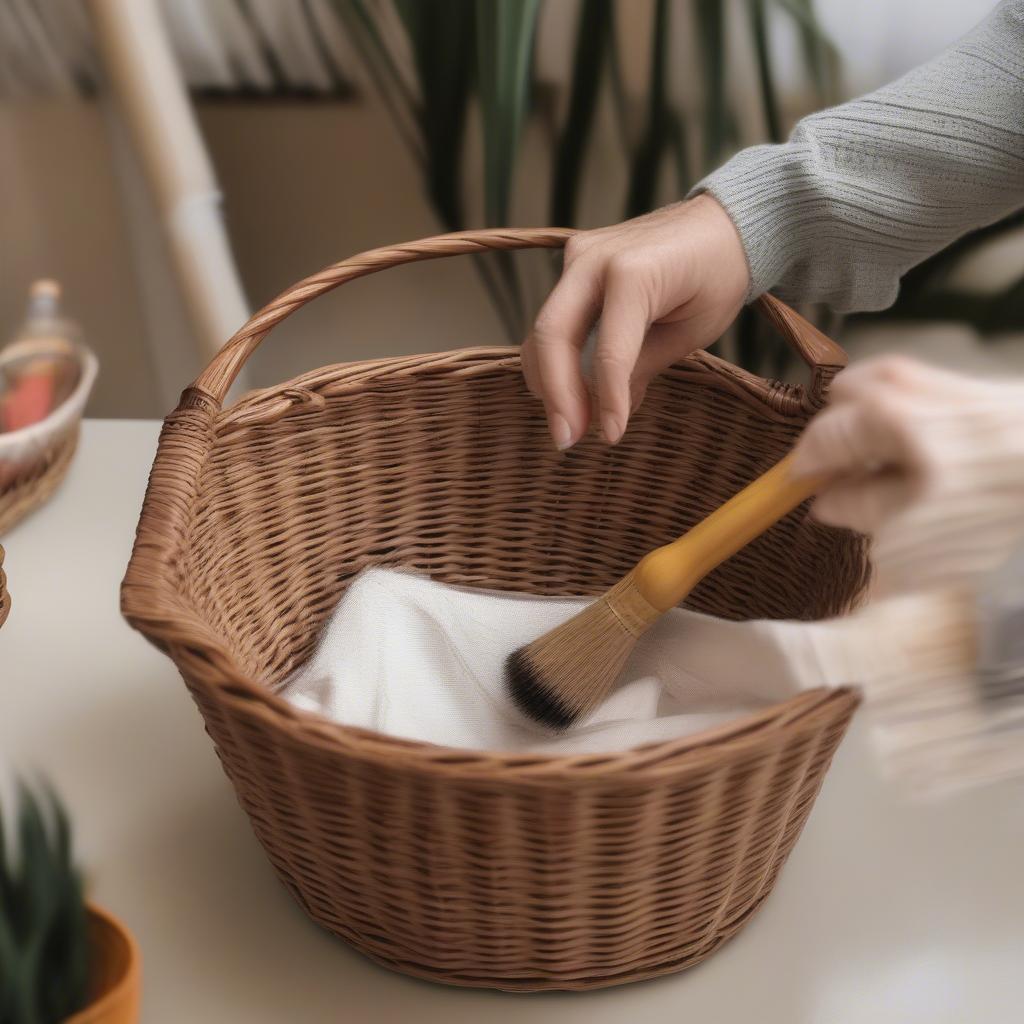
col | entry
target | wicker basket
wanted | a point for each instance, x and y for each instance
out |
(34, 459)
(35, 485)
(469, 867)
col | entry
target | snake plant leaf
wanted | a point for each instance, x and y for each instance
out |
(6, 869)
(765, 71)
(646, 163)
(595, 31)
(65, 952)
(505, 31)
(620, 100)
(710, 25)
(31, 903)
(442, 37)
(458, 45)
(43, 928)
(680, 152)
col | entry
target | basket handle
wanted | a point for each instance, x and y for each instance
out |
(819, 352)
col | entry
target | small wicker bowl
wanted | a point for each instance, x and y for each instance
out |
(513, 871)
(35, 459)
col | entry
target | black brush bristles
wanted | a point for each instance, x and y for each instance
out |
(566, 673)
(531, 696)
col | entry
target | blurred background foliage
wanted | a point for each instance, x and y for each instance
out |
(437, 64)
(393, 119)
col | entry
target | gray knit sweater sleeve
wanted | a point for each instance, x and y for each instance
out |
(864, 191)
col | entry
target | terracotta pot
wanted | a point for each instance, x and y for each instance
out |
(115, 976)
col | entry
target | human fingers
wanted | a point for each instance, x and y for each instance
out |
(551, 352)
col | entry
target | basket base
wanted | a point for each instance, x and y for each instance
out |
(586, 981)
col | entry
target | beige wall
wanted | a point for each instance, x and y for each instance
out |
(61, 216)
(308, 185)
(305, 184)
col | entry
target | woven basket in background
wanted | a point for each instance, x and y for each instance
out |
(514, 871)
(34, 459)
(33, 485)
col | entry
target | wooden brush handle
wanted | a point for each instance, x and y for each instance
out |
(669, 573)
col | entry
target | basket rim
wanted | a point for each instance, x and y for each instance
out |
(775, 400)
(164, 616)
(806, 710)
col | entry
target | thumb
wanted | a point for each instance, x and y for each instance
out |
(857, 438)
(863, 504)
(866, 444)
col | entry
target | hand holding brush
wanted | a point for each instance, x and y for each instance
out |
(932, 464)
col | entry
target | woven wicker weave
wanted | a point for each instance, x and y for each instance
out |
(35, 485)
(470, 867)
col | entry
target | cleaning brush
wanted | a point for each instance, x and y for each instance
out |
(567, 672)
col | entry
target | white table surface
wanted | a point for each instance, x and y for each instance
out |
(886, 911)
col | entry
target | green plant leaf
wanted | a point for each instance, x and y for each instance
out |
(680, 152)
(646, 162)
(594, 33)
(43, 934)
(710, 24)
(442, 34)
(620, 101)
(504, 50)
(765, 71)
(505, 31)
(441, 41)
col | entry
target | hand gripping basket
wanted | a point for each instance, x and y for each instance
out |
(469, 867)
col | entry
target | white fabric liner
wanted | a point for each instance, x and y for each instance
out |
(413, 658)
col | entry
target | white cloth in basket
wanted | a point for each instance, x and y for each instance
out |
(410, 657)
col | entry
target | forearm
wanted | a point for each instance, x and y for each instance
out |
(864, 191)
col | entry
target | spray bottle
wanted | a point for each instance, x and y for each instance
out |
(42, 365)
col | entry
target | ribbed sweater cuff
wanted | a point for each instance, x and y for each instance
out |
(772, 199)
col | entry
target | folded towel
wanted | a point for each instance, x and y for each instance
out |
(410, 657)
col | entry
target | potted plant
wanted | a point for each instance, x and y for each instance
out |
(62, 960)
